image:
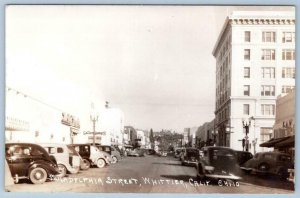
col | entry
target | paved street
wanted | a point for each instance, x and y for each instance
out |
(151, 174)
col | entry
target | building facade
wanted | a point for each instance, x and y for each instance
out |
(255, 62)
(205, 135)
(29, 120)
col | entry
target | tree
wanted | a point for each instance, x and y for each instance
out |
(151, 137)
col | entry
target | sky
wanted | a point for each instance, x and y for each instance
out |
(155, 63)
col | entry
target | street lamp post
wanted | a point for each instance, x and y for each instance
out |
(215, 133)
(94, 119)
(246, 127)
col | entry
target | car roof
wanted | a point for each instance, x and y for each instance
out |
(52, 144)
(23, 144)
(218, 147)
(273, 153)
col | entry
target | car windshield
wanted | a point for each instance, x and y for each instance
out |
(222, 154)
(192, 152)
(72, 150)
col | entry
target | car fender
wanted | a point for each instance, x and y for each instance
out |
(50, 170)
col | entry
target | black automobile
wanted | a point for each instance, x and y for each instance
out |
(269, 163)
(243, 156)
(30, 161)
(189, 156)
(218, 163)
(150, 152)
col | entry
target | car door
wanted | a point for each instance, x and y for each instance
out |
(19, 160)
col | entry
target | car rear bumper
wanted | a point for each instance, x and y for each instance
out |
(190, 162)
(219, 176)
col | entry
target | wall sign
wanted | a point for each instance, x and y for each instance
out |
(70, 120)
(14, 124)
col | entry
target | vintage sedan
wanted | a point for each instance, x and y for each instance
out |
(115, 155)
(274, 163)
(177, 152)
(218, 162)
(91, 155)
(30, 161)
(68, 160)
(243, 156)
(190, 156)
(137, 152)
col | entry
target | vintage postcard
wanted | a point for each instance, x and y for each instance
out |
(150, 99)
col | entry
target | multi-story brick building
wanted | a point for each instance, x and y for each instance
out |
(255, 62)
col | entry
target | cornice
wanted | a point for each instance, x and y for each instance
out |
(266, 21)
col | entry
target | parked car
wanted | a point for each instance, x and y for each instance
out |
(91, 155)
(177, 152)
(218, 163)
(137, 152)
(115, 155)
(274, 163)
(243, 156)
(150, 152)
(189, 156)
(30, 161)
(68, 160)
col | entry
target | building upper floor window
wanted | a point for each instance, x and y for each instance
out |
(268, 54)
(267, 90)
(288, 72)
(268, 36)
(246, 54)
(288, 54)
(267, 109)
(246, 72)
(288, 37)
(268, 72)
(247, 35)
(246, 109)
(287, 89)
(246, 90)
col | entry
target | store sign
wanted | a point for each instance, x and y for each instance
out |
(14, 124)
(96, 138)
(96, 133)
(70, 120)
(74, 130)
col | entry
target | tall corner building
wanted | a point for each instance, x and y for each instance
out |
(255, 62)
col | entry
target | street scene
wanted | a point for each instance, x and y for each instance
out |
(150, 99)
(154, 174)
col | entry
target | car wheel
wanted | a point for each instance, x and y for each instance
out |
(114, 159)
(38, 175)
(100, 163)
(62, 170)
(86, 164)
(263, 167)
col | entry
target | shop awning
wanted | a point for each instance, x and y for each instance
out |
(289, 142)
(272, 142)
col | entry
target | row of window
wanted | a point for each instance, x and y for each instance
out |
(266, 109)
(269, 72)
(268, 90)
(269, 54)
(270, 37)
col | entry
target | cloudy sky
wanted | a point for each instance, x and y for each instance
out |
(155, 63)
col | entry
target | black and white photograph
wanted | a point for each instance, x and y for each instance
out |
(185, 99)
